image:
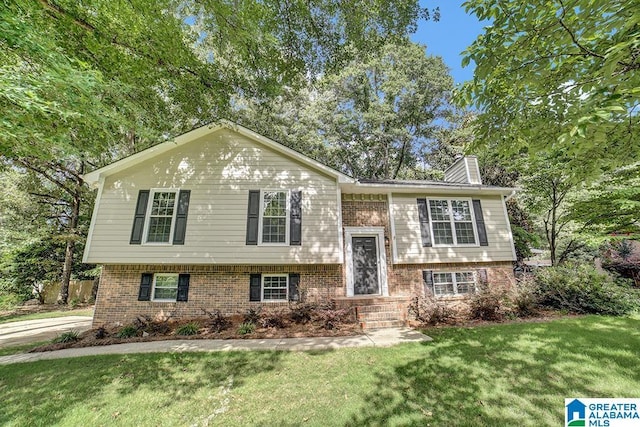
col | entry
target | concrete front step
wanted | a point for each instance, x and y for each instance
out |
(380, 324)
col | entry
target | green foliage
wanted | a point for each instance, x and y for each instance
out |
(580, 288)
(570, 64)
(191, 328)
(246, 328)
(66, 337)
(378, 117)
(128, 332)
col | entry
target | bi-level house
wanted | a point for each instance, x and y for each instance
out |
(222, 218)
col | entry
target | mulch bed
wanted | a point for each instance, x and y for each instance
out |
(159, 331)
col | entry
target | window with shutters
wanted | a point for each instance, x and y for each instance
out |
(165, 287)
(452, 222)
(275, 287)
(453, 283)
(274, 217)
(161, 214)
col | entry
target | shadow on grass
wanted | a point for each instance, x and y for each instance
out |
(41, 393)
(515, 374)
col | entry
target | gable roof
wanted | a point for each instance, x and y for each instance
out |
(347, 183)
(94, 177)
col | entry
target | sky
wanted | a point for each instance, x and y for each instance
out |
(450, 36)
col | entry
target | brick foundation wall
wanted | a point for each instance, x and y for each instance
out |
(224, 288)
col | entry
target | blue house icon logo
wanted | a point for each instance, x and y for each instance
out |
(576, 414)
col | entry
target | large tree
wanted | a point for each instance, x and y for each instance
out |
(85, 82)
(378, 117)
(577, 57)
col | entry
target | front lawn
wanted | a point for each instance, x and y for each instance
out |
(503, 375)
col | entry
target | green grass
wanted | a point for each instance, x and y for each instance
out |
(504, 375)
(21, 348)
(45, 315)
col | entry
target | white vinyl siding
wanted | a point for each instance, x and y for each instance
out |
(219, 169)
(408, 241)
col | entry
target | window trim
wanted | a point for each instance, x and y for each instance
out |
(147, 216)
(287, 217)
(263, 276)
(452, 222)
(455, 284)
(153, 287)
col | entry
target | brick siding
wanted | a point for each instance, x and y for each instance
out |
(214, 287)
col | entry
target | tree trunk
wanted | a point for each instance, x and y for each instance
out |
(63, 297)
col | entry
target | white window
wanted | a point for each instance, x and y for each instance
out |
(274, 217)
(453, 283)
(165, 287)
(275, 287)
(161, 216)
(452, 222)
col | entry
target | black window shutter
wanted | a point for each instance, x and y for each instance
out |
(253, 216)
(181, 217)
(482, 276)
(423, 214)
(294, 285)
(427, 276)
(183, 287)
(138, 219)
(255, 287)
(482, 231)
(144, 294)
(295, 225)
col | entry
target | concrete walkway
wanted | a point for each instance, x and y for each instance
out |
(28, 331)
(373, 338)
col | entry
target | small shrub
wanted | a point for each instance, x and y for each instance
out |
(127, 332)
(525, 300)
(217, 322)
(252, 315)
(101, 333)
(490, 303)
(75, 302)
(70, 336)
(302, 312)
(273, 319)
(580, 288)
(429, 311)
(246, 328)
(190, 328)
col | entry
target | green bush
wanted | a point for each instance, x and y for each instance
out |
(580, 288)
(191, 328)
(65, 337)
(127, 332)
(246, 328)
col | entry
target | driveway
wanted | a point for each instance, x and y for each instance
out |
(28, 331)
